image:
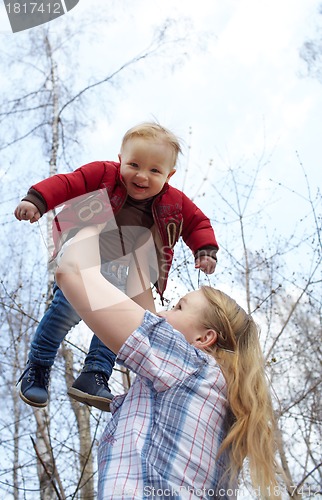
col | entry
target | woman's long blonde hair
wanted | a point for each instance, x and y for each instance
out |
(240, 357)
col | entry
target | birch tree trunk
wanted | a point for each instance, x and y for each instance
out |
(47, 470)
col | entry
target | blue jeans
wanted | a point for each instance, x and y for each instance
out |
(60, 317)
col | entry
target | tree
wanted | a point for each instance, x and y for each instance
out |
(311, 52)
(47, 110)
(278, 280)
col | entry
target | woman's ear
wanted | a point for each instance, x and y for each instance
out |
(207, 339)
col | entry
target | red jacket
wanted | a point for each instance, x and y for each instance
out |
(173, 212)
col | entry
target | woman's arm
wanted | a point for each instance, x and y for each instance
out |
(143, 259)
(110, 314)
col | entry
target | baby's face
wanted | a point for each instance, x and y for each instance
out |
(146, 165)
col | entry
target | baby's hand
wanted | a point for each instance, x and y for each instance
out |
(27, 211)
(206, 263)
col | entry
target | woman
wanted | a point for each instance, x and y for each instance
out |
(199, 404)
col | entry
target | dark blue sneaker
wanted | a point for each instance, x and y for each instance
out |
(92, 389)
(34, 385)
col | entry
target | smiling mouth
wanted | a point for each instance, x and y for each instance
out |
(139, 186)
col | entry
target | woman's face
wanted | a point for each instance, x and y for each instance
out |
(186, 316)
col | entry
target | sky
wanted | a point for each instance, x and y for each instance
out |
(241, 95)
(244, 94)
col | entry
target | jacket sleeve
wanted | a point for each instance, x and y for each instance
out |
(34, 197)
(197, 231)
(62, 187)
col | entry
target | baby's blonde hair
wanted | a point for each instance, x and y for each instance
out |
(240, 357)
(152, 130)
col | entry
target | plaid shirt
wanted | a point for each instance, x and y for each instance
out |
(164, 434)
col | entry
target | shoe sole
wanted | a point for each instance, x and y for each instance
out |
(32, 403)
(102, 404)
